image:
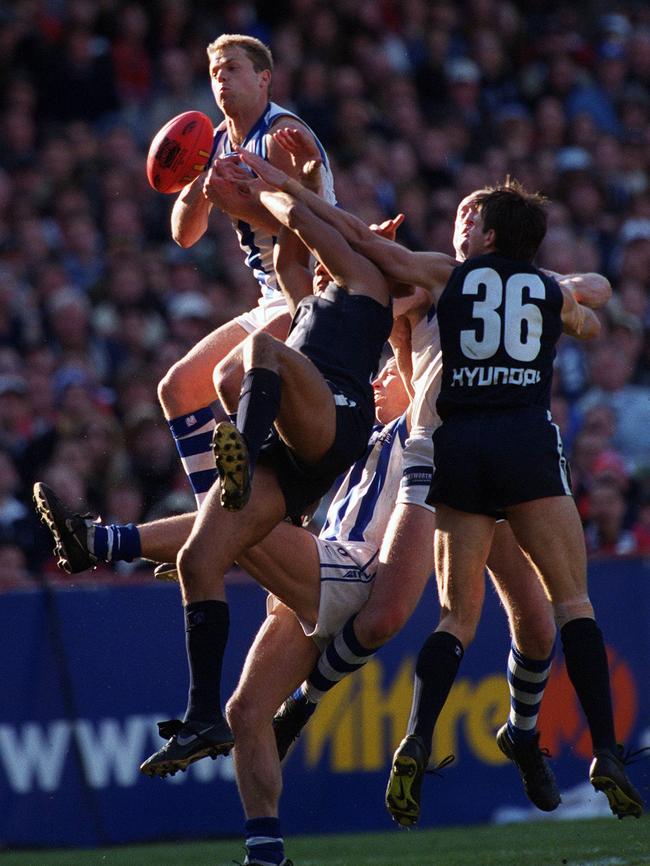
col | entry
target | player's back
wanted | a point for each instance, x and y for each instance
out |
(499, 323)
(257, 243)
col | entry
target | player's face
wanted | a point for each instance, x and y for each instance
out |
(390, 394)
(466, 216)
(235, 83)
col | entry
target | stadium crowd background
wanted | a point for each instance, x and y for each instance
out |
(418, 102)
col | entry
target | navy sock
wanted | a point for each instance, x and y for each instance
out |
(206, 633)
(264, 842)
(586, 664)
(115, 542)
(259, 404)
(435, 672)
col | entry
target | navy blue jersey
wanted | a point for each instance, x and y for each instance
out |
(499, 324)
(343, 335)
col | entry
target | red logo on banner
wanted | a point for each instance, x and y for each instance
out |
(562, 721)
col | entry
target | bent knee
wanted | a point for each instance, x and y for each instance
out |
(379, 629)
(244, 712)
(172, 385)
(226, 378)
(536, 642)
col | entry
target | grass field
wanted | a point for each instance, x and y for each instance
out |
(603, 842)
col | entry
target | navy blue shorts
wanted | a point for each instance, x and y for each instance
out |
(486, 461)
(303, 485)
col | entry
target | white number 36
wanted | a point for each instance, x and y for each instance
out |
(518, 346)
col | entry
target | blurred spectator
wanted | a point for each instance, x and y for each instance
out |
(611, 375)
(418, 104)
(641, 527)
(605, 532)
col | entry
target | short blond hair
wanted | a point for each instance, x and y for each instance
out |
(258, 53)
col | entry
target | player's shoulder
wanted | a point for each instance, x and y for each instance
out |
(280, 116)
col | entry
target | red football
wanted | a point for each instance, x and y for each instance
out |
(180, 151)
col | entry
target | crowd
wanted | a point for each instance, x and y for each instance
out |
(418, 103)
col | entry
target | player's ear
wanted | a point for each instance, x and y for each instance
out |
(265, 77)
(490, 237)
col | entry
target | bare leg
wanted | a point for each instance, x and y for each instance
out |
(529, 611)
(405, 565)
(188, 383)
(161, 540)
(277, 662)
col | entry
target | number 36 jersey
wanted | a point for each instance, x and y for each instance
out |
(499, 323)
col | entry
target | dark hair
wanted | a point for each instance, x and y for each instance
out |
(517, 217)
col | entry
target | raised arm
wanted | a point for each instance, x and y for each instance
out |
(577, 320)
(227, 187)
(590, 289)
(346, 267)
(348, 225)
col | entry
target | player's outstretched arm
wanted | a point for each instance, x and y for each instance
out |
(349, 226)
(228, 187)
(590, 289)
(577, 320)
(429, 270)
(346, 267)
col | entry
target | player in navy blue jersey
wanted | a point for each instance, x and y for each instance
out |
(241, 72)
(304, 415)
(498, 454)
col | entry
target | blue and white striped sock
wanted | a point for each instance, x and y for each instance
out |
(264, 842)
(341, 657)
(193, 437)
(112, 542)
(527, 680)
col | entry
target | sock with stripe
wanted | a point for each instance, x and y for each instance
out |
(342, 656)
(527, 680)
(586, 664)
(258, 407)
(206, 633)
(114, 542)
(264, 842)
(193, 437)
(435, 671)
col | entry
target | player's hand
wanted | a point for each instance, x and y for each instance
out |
(275, 177)
(227, 187)
(388, 229)
(305, 155)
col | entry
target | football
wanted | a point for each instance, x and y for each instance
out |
(179, 151)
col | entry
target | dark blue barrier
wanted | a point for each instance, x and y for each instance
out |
(86, 673)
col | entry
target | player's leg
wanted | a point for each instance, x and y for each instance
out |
(550, 532)
(282, 387)
(405, 564)
(286, 563)
(80, 542)
(532, 630)
(187, 392)
(277, 661)
(217, 539)
(462, 545)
